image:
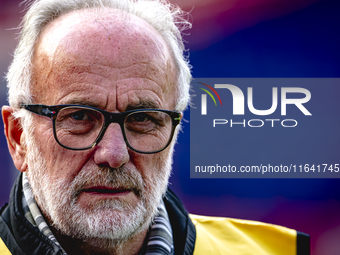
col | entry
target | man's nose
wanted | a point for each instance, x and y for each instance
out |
(112, 150)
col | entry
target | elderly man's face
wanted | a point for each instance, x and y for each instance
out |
(116, 63)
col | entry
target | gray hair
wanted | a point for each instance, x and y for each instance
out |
(167, 19)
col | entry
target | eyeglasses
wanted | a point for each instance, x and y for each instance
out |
(78, 127)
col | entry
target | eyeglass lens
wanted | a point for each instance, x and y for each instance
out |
(146, 131)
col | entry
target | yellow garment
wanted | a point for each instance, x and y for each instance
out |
(225, 236)
(3, 248)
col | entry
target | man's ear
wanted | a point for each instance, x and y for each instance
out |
(13, 133)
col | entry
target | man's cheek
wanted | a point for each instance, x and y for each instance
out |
(145, 162)
(151, 166)
(66, 164)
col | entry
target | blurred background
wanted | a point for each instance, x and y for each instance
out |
(240, 38)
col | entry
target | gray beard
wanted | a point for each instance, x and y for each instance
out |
(104, 222)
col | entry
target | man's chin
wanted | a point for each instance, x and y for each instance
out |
(103, 219)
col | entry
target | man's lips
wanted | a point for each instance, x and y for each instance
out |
(106, 190)
(93, 194)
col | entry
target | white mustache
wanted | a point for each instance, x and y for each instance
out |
(114, 178)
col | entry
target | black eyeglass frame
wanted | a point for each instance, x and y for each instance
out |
(51, 111)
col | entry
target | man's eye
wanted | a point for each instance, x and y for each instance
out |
(79, 115)
(139, 117)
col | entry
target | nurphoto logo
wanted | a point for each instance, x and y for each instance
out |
(238, 106)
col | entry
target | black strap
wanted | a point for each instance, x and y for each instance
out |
(7, 237)
(302, 244)
(184, 232)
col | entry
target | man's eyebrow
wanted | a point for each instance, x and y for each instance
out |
(143, 105)
(140, 105)
(83, 102)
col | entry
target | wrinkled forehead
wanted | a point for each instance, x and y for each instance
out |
(101, 37)
(102, 32)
